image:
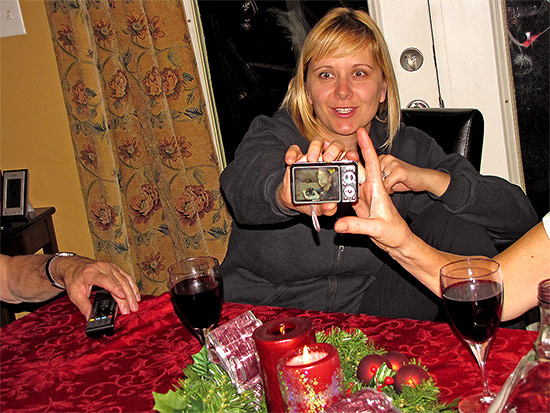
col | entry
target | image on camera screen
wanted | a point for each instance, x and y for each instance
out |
(316, 184)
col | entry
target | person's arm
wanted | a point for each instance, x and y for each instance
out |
(251, 180)
(23, 279)
(256, 183)
(499, 206)
(378, 218)
(403, 177)
(523, 265)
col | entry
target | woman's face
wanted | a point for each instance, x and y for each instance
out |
(345, 92)
(324, 178)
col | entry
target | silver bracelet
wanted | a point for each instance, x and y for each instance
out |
(48, 266)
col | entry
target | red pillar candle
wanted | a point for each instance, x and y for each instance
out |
(273, 340)
(311, 378)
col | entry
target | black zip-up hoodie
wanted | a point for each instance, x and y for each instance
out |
(275, 257)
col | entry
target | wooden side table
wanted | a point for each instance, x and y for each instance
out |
(27, 236)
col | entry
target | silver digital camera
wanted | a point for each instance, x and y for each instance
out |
(323, 182)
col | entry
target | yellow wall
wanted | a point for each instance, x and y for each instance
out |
(34, 130)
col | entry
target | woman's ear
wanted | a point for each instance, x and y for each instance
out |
(308, 96)
(383, 92)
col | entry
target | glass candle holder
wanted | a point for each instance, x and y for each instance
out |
(273, 340)
(311, 378)
(231, 346)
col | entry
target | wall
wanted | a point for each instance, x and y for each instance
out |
(34, 130)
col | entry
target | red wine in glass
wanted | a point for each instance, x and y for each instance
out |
(474, 308)
(472, 291)
(196, 289)
(198, 301)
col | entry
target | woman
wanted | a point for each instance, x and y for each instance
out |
(345, 81)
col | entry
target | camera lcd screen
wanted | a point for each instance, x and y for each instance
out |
(316, 184)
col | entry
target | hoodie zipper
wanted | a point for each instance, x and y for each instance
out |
(339, 257)
(338, 260)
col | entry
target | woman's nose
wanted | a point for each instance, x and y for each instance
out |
(343, 90)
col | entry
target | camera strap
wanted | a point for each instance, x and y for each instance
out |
(314, 219)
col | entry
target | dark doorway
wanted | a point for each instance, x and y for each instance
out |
(528, 22)
(251, 47)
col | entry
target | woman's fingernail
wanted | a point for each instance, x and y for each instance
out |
(341, 226)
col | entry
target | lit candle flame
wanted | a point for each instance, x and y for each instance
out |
(282, 329)
(306, 356)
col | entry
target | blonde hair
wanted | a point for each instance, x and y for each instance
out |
(342, 32)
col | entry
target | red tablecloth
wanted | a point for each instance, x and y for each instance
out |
(49, 364)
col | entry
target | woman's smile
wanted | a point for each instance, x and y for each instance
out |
(345, 112)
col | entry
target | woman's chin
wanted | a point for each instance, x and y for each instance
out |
(347, 132)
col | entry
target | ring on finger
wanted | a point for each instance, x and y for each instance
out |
(384, 175)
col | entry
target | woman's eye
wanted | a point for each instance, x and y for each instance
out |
(360, 73)
(325, 75)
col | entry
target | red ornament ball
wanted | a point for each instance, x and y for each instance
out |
(409, 375)
(396, 359)
(369, 365)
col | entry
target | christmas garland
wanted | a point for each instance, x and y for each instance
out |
(208, 388)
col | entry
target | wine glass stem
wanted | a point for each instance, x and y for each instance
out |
(480, 351)
(200, 335)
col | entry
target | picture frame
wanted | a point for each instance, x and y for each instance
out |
(15, 190)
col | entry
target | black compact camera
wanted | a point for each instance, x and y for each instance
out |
(322, 182)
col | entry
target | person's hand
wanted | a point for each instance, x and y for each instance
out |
(402, 177)
(319, 150)
(80, 274)
(376, 214)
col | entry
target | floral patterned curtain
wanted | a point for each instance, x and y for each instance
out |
(147, 165)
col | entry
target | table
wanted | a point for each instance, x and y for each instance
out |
(26, 236)
(48, 364)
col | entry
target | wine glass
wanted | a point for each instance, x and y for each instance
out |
(472, 291)
(196, 289)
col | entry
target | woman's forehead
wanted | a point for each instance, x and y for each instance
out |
(359, 55)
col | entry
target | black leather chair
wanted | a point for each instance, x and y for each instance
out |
(455, 130)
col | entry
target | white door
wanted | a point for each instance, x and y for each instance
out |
(463, 45)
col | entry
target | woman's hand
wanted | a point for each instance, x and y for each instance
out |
(402, 177)
(376, 214)
(319, 151)
(378, 218)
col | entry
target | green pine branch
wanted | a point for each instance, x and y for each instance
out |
(208, 388)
